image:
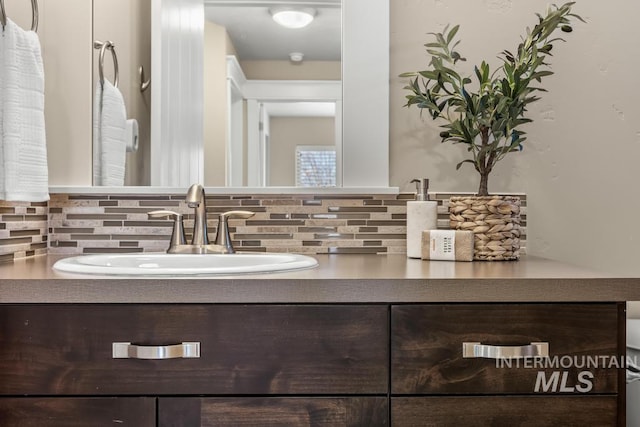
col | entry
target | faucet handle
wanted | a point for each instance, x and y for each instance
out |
(223, 238)
(161, 214)
(177, 234)
(236, 214)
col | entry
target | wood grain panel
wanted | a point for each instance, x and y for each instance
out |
(272, 412)
(427, 346)
(252, 349)
(538, 411)
(78, 412)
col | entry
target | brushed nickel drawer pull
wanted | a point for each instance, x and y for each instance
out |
(126, 350)
(477, 350)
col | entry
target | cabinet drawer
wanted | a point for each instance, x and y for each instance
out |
(539, 411)
(244, 349)
(78, 412)
(270, 411)
(583, 341)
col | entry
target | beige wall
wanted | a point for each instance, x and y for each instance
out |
(579, 167)
(215, 103)
(286, 70)
(66, 32)
(285, 133)
(67, 59)
(128, 25)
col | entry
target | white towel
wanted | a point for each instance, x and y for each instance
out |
(109, 135)
(24, 174)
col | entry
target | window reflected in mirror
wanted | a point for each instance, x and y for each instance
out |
(315, 166)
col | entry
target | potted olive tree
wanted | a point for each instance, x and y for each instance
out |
(486, 113)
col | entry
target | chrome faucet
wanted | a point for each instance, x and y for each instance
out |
(196, 199)
(200, 242)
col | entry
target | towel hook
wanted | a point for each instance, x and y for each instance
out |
(104, 46)
(144, 83)
(34, 15)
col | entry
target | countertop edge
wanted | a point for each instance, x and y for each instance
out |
(309, 291)
(338, 279)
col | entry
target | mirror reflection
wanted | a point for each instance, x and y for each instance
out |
(270, 96)
(190, 122)
(122, 36)
(280, 66)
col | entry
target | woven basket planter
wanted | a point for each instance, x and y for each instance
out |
(495, 222)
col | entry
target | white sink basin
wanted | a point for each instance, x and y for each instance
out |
(162, 264)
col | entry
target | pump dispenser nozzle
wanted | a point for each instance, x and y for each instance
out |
(422, 189)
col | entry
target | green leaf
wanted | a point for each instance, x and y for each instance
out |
(506, 89)
(467, 98)
(431, 75)
(437, 53)
(478, 74)
(464, 161)
(485, 71)
(539, 74)
(452, 33)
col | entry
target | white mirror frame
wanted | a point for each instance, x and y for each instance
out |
(176, 112)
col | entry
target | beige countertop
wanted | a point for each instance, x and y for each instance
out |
(337, 279)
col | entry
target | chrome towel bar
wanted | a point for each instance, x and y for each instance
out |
(34, 15)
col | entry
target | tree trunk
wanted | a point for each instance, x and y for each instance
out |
(485, 164)
(484, 181)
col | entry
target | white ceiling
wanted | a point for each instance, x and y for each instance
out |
(257, 37)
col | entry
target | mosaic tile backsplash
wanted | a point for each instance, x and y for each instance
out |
(23, 230)
(313, 224)
(335, 224)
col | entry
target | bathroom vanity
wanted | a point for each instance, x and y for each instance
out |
(361, 340)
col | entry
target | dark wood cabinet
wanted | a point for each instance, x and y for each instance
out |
(78, 411)
(59, 352)
(257, 349)
(305, 365)
(582, 378)
(427, 343)
(538, 411)
(272, 412)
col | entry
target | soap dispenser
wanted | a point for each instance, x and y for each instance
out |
(422, 214)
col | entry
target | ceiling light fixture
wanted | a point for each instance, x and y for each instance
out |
(296, 56)
(293, 18)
